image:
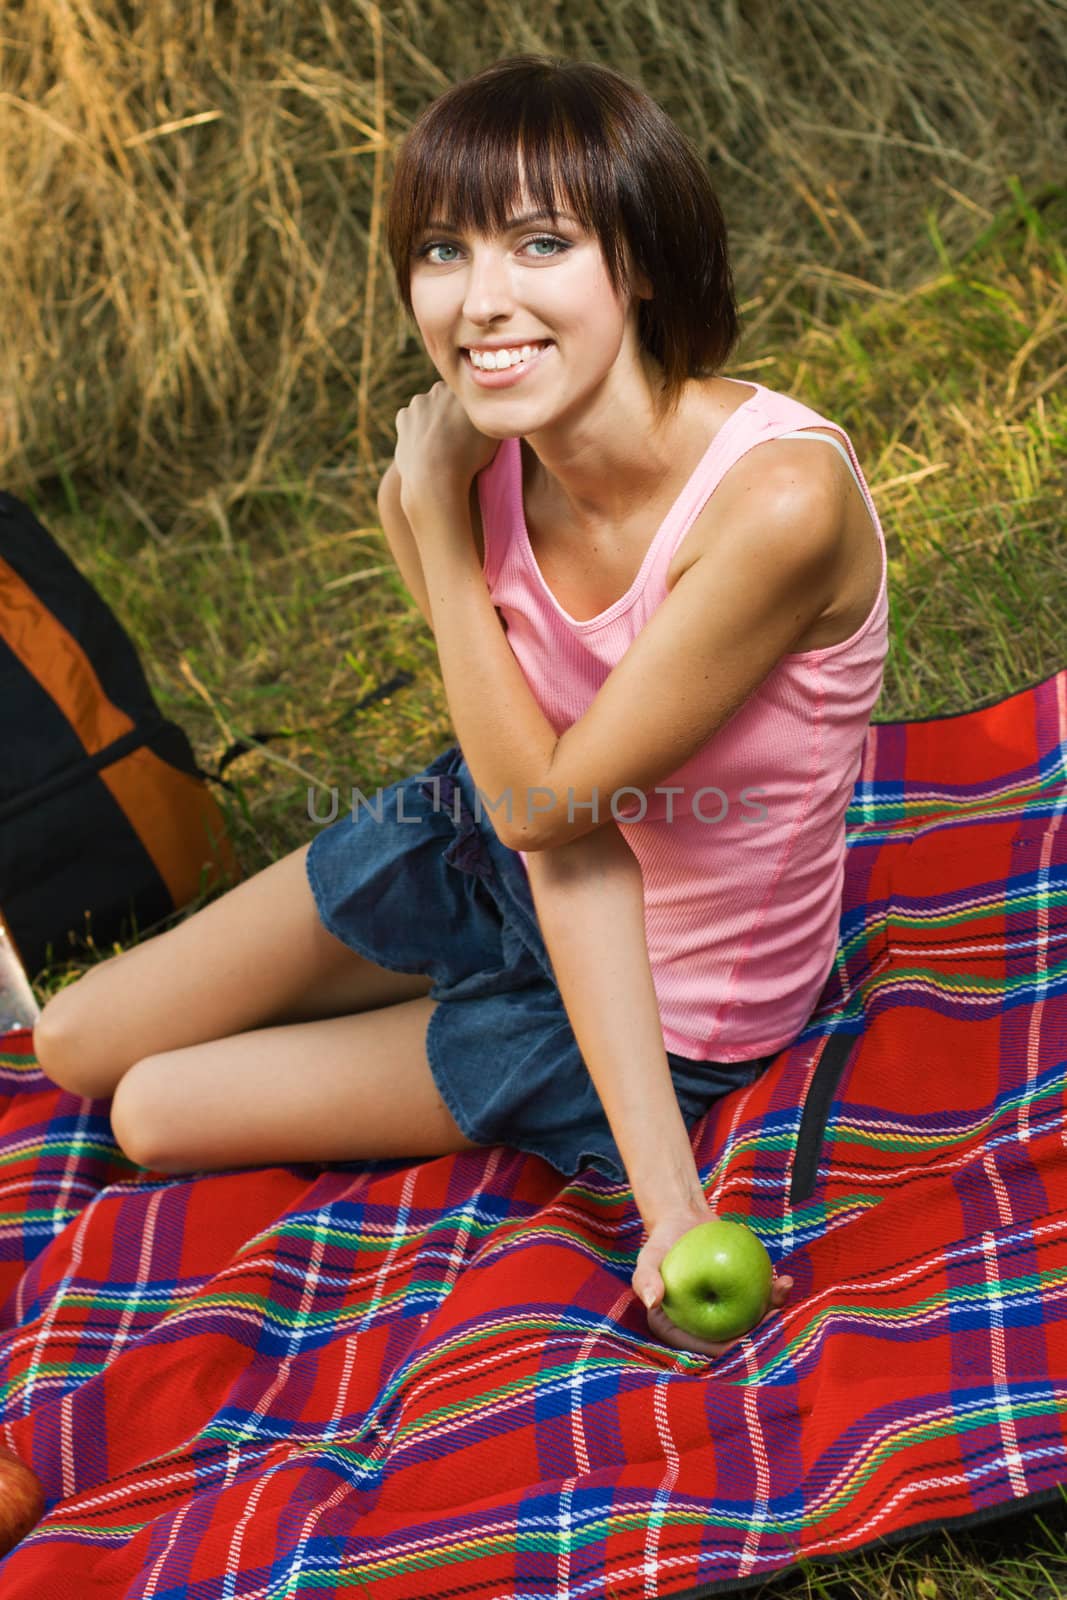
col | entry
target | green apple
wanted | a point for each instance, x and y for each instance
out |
(717, 1280)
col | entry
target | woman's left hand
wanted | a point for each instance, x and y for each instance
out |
(646, 1279)
(438, 448)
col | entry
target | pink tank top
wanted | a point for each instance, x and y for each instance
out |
(742, 889)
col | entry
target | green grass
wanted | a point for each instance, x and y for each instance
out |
(1020, 1557)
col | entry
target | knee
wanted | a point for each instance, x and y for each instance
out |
(74, 1037)
(58, 1041)
(136, 1119)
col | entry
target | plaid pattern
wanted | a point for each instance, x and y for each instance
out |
(404, 1381)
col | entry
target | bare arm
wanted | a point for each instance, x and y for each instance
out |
(589, 897)
(401, 540)
(765, 572)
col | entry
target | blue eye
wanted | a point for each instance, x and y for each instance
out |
(561, 245)
(435, 244)
(548, 238)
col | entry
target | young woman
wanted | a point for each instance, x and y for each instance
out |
(658, 599)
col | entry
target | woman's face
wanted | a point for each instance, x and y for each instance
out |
(537, 282)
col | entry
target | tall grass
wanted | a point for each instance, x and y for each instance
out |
(203, 356)
(192, 290)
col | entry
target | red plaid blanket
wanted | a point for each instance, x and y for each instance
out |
(405, 1381)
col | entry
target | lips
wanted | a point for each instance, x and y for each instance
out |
(505, 377)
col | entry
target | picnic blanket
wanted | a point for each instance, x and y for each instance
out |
(408, 1380)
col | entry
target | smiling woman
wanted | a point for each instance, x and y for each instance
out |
(666, 732)
(691, 576)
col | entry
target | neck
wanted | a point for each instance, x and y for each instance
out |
(600, 471)
(589, 467)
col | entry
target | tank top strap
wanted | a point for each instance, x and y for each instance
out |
(831, 439)
(766, 415)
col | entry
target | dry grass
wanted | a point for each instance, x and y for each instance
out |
(193, 290)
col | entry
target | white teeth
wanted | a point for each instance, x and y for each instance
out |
(495, 360)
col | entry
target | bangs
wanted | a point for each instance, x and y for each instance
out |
(478, 185)
(463, 169)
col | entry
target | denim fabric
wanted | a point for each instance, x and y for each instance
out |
(430, 888)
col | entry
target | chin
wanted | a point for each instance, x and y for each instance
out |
(492, 428)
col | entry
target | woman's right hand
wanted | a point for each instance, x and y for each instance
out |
(649, 1288)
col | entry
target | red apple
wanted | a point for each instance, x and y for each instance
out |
(21, 1500)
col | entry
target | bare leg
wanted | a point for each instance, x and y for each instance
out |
(341, 1089)
(248, 1035)
(257, 955)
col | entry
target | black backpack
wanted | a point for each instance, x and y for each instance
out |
(106, 824)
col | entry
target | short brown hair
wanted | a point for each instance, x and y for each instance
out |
(625, 168)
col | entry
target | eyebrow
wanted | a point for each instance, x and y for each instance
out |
(512, 222)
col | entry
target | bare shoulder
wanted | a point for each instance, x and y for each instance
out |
(781, 490)
(783, 473)
(786, 501)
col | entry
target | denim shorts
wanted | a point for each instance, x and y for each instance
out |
(416, 882)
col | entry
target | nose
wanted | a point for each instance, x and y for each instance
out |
(489, 292)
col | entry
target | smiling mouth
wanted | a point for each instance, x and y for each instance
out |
(537, 348)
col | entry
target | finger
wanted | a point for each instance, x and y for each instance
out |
(669, 1333)
(649, 1289)
(779, 1296)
